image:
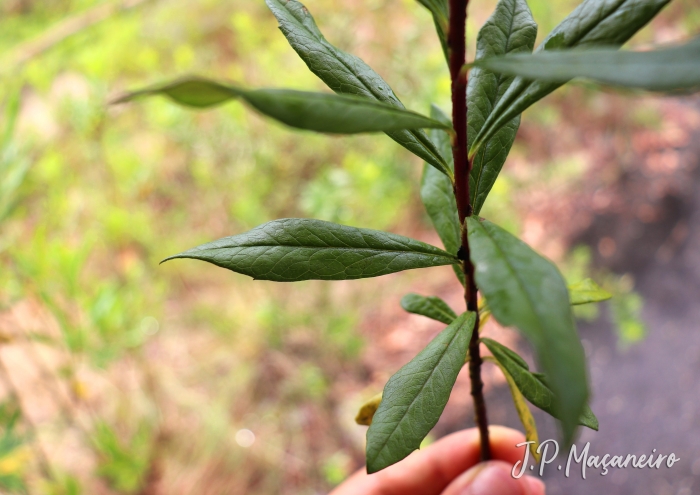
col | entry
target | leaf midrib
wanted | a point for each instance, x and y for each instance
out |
(329, 47)
(380, 250)
(510, 32)
(357, 102)
(586, 32)
(445, 313)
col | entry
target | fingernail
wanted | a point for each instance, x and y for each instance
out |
(494, 479)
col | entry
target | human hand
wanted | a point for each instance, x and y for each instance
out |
(451, 466)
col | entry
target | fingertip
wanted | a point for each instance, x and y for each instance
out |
(503, 443)
(535, 486)
(493, 478)
(504, 435)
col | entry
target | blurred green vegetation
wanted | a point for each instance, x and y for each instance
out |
(154, 370)
(13, 449)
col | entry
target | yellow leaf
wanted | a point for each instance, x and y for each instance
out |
(366, 412)
(523, 410)
(484, 312)
(484, 317)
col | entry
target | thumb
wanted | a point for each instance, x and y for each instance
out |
(493, 478)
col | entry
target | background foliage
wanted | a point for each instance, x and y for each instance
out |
(120, 376)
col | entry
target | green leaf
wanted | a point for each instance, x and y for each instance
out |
(294, 249)
(438, 195)
(525, 290)
(432, 307)
(441, 17)
(510, 29)
(593, 22)
(533, 386)
(320, 112)
(587, 291)
(345, 73)
(440, 138)
(416, 395)
(521, 407)
(669, 69)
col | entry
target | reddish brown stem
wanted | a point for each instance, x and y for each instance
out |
(462, 167)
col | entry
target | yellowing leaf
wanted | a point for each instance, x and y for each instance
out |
(587, 291)
(484, 312)
(526, 417)
(367, 410)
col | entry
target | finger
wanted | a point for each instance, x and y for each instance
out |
(429, 471)
(503, 443)
(494, 478)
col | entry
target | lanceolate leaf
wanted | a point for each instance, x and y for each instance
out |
(320, 112)
(510, 29)
(293, 249)
(587, 291)
(346, 73)
(532, 385)
(416, 395)
(438, 195)
(432, 307)
(440, 11)
(670, 69)
(525, 290)
(593, 22)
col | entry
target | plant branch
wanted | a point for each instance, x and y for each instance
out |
(457, 44)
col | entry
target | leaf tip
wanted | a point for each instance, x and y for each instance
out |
(125, 98)
(373, 465)
(406, 300)
(174, 256)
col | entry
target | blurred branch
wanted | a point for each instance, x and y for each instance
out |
(66, 28)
